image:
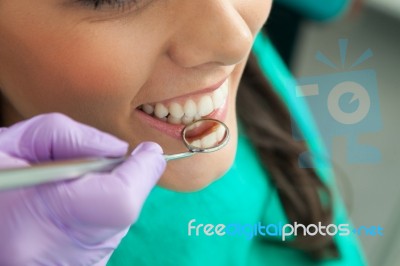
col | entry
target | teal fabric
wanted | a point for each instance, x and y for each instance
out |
(321, 10)
(242, 196)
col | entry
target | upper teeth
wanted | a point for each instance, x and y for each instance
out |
(187, 111)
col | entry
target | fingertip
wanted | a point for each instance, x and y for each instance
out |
(115, 146)
(103, 144)
(7, 161)
(149, 147)
(148, 156)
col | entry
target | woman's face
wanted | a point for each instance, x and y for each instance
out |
(107, 66)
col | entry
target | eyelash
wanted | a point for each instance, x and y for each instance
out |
(119, 4)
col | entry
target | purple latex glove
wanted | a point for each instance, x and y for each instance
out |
(76, 222)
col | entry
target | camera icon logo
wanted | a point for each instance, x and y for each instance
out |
(360, 95)
(344, 104)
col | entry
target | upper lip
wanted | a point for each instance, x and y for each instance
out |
(196, 92)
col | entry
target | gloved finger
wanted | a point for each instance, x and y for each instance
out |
(10, 199)
(56, 136)
(112, 200)
(7, 161)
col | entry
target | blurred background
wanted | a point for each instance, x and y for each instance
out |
(299, 30)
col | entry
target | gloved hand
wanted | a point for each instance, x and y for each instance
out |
(76, 222)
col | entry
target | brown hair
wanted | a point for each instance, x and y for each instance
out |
(267, 123)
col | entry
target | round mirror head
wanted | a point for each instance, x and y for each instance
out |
(205, 135)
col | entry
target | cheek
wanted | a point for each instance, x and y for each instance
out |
(84, 71)
(78, 74)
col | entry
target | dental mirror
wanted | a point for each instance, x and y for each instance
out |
(201, 136)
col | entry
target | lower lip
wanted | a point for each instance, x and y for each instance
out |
(176, 130)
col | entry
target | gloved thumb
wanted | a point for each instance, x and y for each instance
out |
(110, 200)
(137, 176)
(149, 164)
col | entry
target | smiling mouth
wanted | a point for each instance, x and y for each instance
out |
(186, 110)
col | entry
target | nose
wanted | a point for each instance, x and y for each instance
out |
(210, 32)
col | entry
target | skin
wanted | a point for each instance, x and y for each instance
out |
(97, 66)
